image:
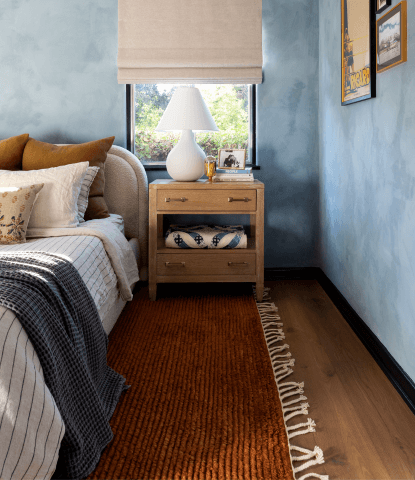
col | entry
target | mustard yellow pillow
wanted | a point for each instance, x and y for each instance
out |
(11, 152)
(16, 204)
(39, 155)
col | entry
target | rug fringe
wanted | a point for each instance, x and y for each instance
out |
(281, 367)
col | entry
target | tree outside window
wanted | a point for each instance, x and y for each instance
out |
(228, 104)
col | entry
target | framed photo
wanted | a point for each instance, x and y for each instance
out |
(232, 159)
(382, 5)
(358, 50)
(391, 38)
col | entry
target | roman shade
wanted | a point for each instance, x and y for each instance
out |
(190, 41)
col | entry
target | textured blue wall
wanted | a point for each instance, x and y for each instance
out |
(58, 83)
(287, 145)
(58, 76)
(367, 202)
(287, 133)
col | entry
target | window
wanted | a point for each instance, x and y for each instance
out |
(232, 107)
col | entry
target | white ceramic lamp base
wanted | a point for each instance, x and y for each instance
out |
(185, 162)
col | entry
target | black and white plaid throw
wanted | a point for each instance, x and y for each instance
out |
(59, 315)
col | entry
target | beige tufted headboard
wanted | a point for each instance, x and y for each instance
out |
(126, 193)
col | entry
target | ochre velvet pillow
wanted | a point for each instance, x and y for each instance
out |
(11, 152)
(38, 155)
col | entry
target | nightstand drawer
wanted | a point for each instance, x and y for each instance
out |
(206, 200)
(181, 264)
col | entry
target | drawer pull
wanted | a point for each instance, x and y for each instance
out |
(245, 199)
(182, 199)
(181, 264)
(235, 264)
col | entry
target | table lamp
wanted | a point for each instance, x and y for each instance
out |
(186, 111)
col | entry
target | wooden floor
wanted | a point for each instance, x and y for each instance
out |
(364, 428)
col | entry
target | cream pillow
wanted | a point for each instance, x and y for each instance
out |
(16, 205)
(56, 206)
(90, 175)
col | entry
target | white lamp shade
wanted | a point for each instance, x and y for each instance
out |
(187, 111)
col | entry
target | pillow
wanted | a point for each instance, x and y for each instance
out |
(39, 155)
(11, 152)
(56, 206)
(16, 205)
(91, 173)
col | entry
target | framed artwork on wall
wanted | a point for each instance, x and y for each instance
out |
(391, 38)
(358, 50)
(382, 5)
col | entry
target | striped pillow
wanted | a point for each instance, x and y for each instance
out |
(83, 196)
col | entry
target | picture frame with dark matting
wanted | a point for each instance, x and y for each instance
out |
(382, 5)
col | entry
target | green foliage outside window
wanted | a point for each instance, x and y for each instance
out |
(228, 105)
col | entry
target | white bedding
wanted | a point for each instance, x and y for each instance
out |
(116, 245)
(29, 418)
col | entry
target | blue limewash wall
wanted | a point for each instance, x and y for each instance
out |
(367, 200)
(287, 146)
(58, 76)
(287, 135)
(58, 82)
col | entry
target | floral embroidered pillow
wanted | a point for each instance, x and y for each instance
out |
(16, 205)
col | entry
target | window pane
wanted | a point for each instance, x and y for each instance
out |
(228, 104)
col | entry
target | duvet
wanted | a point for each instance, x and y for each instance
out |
(29, 446)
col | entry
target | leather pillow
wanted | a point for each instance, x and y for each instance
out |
(11, 152)
(39, 155)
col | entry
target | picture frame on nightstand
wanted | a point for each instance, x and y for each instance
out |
(232, 158)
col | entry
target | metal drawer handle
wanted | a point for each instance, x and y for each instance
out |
(181, 264)
(234, 264)
(245, 199)
(182, 199)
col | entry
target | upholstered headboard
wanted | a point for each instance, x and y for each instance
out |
(126, 193)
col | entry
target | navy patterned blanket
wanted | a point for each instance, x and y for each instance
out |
(48, 296)
(206, 236)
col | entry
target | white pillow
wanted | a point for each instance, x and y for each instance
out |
(56, 205)
(90, 175)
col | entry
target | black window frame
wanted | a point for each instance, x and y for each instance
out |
(131, 127)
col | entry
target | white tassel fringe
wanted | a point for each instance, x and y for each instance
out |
(273, 333)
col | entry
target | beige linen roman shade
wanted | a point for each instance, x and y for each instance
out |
(190, 41)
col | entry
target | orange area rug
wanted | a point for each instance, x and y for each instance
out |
(203, 402)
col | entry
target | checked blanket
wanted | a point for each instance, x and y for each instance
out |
(206, 236)
(53, 304)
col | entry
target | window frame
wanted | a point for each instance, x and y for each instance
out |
(130, 116)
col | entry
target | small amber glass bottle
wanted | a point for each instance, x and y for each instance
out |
(210, 167)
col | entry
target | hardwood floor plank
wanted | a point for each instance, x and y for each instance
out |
(363, 426)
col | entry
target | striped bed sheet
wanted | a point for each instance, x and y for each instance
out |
(31, 428)
(88, 257)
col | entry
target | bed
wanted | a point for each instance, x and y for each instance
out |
(104, 252)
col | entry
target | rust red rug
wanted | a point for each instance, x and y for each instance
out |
(203, 402)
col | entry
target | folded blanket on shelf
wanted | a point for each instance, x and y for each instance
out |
(206, 236)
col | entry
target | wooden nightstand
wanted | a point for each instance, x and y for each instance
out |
(167, 265)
